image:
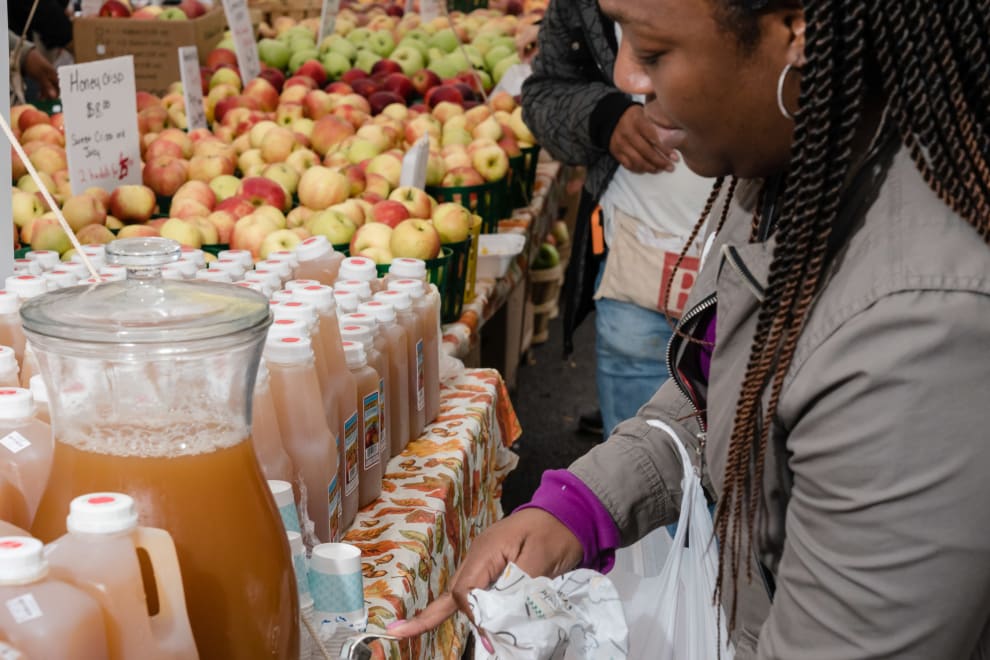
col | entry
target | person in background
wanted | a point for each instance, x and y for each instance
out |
(51, 22)
(830, 373)
(649, 201)
(33, 65)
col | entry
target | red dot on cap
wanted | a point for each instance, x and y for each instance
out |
(316, 287)
(284, 321)
(25, 277)
(10, 545)
(293, 303)
(7, 392)
(101, 499)
(374, 303)
(358, 261)
(311, 239)
(290, 340)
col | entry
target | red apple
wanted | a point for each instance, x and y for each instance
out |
(305, 81)
(466, 92)
(160, 148)
(274, 76)
(441, 93)
(328, 132)
(366, 87)
(132, 203)
(424, 80)
(238, 206)
(381, 100)
(339, 87)
(263, 92)
(114, 9)
(385, 66)
(313, 69)
(220, 56)
(389, 212)
(401, 85)
(396, 10)
(260, 191)
(192, 8)
(353, 74)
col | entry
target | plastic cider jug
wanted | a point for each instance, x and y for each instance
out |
(398, 356)
(99, 555)
(429, 319)
(407, 318)
(25, 447)
(368, 426)
(265, 434)
(44, 617)
(318, 260)
(9, 371)
(360, 268)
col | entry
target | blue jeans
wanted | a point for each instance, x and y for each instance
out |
(631, 347)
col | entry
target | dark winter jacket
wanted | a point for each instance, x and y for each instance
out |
(570, 102)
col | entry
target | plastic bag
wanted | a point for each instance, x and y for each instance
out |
(670, 612)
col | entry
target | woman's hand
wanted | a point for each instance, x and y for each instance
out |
(533, 539)
(41, 70)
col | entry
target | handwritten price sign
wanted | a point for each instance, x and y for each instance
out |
(101, 132)
(239, 20)
(192, 87)
(328, 18)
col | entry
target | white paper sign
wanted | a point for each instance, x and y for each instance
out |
(328, 18)
(90, 7)
(101, 131)
(239, 21)
(192, 87)
(6, 228)
(429, 9)
(414, 164)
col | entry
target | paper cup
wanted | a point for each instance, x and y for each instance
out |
(299, 563)
(286, 503)
(336, 582)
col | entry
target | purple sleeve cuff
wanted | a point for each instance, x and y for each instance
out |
(569, 500)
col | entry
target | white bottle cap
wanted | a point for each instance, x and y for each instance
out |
(96, 260)
(97, 250)
(27, 267)
(188, 266)
(282, 490)
(243, 257)
(47, 258)
(313, 247)
(268, 277)
(39, 393)
(173, 272)
(213, 275)
(285, 327)
(102, 513)
(282, 269)
(292, 285)
(384, 312)
(22, 560)
(60, 278)
(288, 256)
(26, 286)
(347, 301)
(9, 302)
(288, 350)
(231, 266)
(76, 268)
(293, 309)
(413, 287)
(359, 318)
(407, 268)
(195, 255)
(398, 299)
(358, 268)
(8, 360)
(282, 295)
(255, 286)
(317, 295)
(15, 403)
(360, 287)
(116, 272)
(354, 355)
(358, 334)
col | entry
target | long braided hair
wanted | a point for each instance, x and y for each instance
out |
(929, 61)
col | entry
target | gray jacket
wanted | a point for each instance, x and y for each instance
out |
(875, 517)
(570, 101)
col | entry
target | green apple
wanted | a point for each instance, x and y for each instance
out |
(507, 41)
(334, 64)
(496, 54)
(225, 186)
(503, 66)
(486, 80)
(274, 53)
(302, 43)
(417, 34)
(484, 42)
(381, 42)
(444, 68)
(458, 61)
(359, 36)
(418, 46)
(474, 56)
(226, 42)
(301, 56)
(434, 55)
(444, 39)
(410, 59)
(336, 43)
(366, 59)
(172, 14)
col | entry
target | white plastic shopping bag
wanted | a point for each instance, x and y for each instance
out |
(670, 613)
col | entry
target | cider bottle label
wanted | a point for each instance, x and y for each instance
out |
(350, 454)
(372, 432)
(333, 493)
(8, 652)
(420, 377)
(24, 608)
(15, 442)
(381, 410)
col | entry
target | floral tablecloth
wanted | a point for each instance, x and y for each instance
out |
(436, 496)
(534, 221)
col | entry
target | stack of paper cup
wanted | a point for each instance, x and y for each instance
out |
(308, 646)
(286, 503)
(337, 585)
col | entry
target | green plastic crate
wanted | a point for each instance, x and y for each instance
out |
(522, 176)
(489, 200)
(466, 6)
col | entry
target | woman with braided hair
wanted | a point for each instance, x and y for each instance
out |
(832, 368)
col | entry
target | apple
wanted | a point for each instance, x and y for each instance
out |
(43, 133)
(223, 222)
(366, 87)
(94, 235)
(490, 162)
(137, 231)
(353, 75)
(378, 185)
(225, 186)
(321, 187)
(114, 9)
(278, 240)
(208, 233)
(249, 233)
(445, 39)
(264, 93)
(164, 175)
(335, 226)
(172, 14)
(339, 45)
(303, 126)
(221, 57)
(305, 82)
(385, 66)
(283, 174)
(317, 104)
(26, 207)
(82, 210)
(339, 87)
(260, 191)
(226, 76)
(192, 8)
(182, 231)
(328, 132)
(49, 159)
(435, 169)
(188, 208)
(424, 80)
(180, 138)
(386, 165)
(334, 64)
(366, 59)
(277, 144)
(416, 201)
(489, 128)
(302, 159)
(455, 136)
(362, 149)
(272, 213)
(238, 206)
(452, 222)
(389, 212)
(357, 210)
(461, 177)
(372, 234)
(409, 59)
(444, 111)
(274, 76)
(250, 160)
(502, 100)
(444, 93)
(504, 65)
(274, 53)
(382, 43)
(27, 183)
(293, 93)
(381, 100)
(298, 216)
(313, 68)
(355, 176)
(415, 238)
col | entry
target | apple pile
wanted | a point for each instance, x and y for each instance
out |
(122, 9)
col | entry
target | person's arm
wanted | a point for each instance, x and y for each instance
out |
(33, 65)
(887, 551)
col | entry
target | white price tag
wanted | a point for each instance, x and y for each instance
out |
(414, 164)
(90, 7)
(328, 18)
(239, 21)
(8, 652)
(15, 442)
(24, 608)
(101, 131)
(192, 87)
(428, 10)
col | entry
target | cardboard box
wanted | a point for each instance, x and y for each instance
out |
(153, 44)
